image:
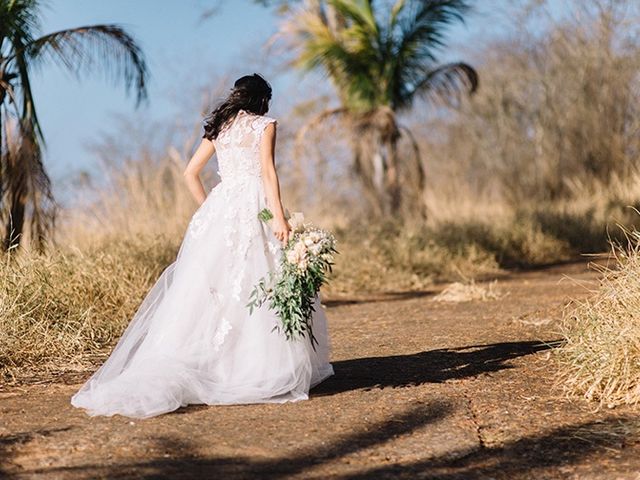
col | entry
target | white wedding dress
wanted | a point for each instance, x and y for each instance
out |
(193, 341)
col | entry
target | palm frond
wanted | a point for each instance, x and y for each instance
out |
(43, 207)
(447, 83)
(383, 60)
(361, 35)
(422, 28)
(345, 64)
(359, 13)
(89, 47)
(19, 19)
(8, 90)
(313, 123)
(396, 9)
(419, 34)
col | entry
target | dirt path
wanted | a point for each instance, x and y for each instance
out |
(422, 390)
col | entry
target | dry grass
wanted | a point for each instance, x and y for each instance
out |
(390, 256)
(54, 309)
(459, 245)
(58, 309)
(601, 357)
(143, 196)
(467, 292)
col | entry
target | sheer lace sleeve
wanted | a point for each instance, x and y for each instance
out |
(260, 123)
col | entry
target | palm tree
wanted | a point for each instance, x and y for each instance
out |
(380, 61)
(25, 187)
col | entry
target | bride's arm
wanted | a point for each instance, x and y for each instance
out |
(271, 185)
(191, 173)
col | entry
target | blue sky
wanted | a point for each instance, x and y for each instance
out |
(182, 51)
(177, 45)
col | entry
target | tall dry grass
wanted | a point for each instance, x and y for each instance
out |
(56, 309)
(601, 356)
(60, 308)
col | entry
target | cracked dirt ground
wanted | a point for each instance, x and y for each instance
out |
(422, 390)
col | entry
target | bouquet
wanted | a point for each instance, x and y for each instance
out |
(292, 288)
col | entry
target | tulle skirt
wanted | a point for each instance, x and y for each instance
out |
(193, 341)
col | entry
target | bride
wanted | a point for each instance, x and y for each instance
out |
(193, 340)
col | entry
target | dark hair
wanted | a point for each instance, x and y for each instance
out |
(251, 93)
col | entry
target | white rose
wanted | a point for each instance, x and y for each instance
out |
(300, 247)
(302, 264)
(315, 237)
(315, 249)
(298, 255)
(293, 257)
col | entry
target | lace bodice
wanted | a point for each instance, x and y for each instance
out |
(238, 146)
(237, 199)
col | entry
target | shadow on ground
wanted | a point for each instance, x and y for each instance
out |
(432, 366)
(182, 460)
(527, 457)
(8, 444)
(384, 297)
(530, 457)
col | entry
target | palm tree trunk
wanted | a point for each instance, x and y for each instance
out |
(3, 94)
(16, 157)
(376, 166)
(15, 223)
(17, 205)
(362, 167)
(4, 153)
(418, 175)
(392, 183)
(1, 145)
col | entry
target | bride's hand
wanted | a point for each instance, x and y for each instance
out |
(281, 229)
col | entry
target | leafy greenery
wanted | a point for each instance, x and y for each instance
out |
(292, 289)
(378, 58)
(265, 215)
